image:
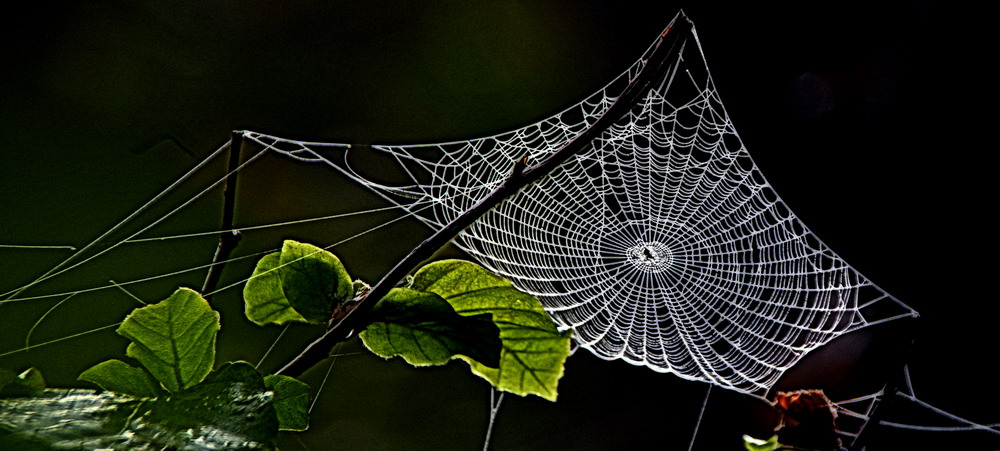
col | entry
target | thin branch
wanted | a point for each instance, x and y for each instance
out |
(521, 176)
(229, 237)
(496, 397)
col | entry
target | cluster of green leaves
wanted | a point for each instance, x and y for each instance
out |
(451, 309)
(172, 399)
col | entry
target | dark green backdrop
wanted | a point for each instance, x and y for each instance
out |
(860, 116)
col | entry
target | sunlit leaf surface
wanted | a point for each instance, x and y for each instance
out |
(265, 300)
(313, 280)
(174, 339)
(120, 377)
(534, 350)
(424, 329)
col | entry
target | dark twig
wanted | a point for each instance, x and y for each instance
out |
(229, 237)
(521, 176)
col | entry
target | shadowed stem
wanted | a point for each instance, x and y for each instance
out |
(521, 176)
(229, 237)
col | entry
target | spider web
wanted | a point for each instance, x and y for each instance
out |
(660, 244)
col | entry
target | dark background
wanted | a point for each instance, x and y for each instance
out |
(867, 119)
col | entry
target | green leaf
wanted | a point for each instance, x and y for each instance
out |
(313, 280)
(756, 444)
(77, 417)
(291, 402)
(229, 410)
(424, 329)
(265, 300)
(174, 339)
(28, 383)
(232, 398)
(120, 377)
(236, 372)
(534, 350)
(300, 283)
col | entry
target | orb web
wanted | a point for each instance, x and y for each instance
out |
(661, 244)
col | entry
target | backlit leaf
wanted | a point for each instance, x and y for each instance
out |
(534, 350)
(756, 444)
(120, 377)
(265, 300)
(174, 339)
(313, 280)
(424, 329)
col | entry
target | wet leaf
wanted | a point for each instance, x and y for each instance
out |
(230, 411)
(291, 402)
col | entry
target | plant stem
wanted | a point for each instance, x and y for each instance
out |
(521, 176)
(496, 397)
(229, 237)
